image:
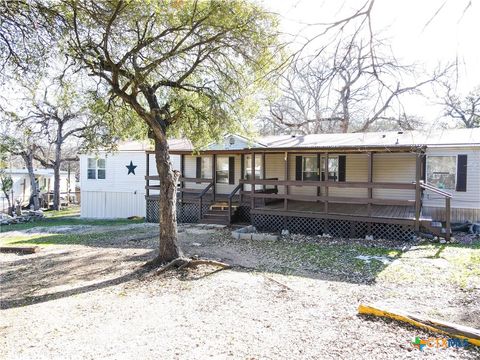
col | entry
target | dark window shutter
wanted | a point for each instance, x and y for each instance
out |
(461, 173)
(231, 170)
(342, 167)
(199, 167)
(298, 168)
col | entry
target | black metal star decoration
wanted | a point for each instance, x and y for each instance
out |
(131, 168)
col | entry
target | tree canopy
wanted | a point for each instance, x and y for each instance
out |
(188, 68)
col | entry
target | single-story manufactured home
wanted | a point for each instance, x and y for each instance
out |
(387, 184)
(21, 189)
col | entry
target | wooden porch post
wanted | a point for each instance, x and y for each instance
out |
(214, 174)
(287, 188)
(370, 181)
(327, 180)
(252, 186)
(242, 174)
(182, 174)
(264, 170)
(418, 170)
(319, 164)
(148, 175)
(447, 219)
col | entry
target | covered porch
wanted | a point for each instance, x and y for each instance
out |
(368, 185)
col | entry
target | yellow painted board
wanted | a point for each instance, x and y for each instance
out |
(438, 326)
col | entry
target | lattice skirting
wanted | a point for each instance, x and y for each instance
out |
(153, 211)
(243, 214)
(186, 212)
(336, 228)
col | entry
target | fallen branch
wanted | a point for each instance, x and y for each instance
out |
(285, 287)
(19, 249)
(439, 326)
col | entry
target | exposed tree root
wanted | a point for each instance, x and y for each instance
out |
(183, 263)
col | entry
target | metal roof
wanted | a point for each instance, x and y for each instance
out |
(388, 140)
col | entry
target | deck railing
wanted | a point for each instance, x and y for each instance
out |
(230, 197)
(326, 199)
(447, 196)
(200, 198)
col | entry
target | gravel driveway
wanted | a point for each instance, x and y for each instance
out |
(94, 301)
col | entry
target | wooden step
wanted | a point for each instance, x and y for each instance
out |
(219, 221)
(222, 206)
(215, 216)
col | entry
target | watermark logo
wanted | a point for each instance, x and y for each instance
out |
(438, 343)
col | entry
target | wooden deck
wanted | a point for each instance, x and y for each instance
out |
(356, 210)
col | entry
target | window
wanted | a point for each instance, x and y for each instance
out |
(248, 166)
(96, 168)
(310, 168)
(441, 171)
(222, 170)
(332, 168)
(206, 168)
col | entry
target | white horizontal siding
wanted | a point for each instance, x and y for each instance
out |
(105, 205)
(398, 168)
(469, 199)
(275, 168)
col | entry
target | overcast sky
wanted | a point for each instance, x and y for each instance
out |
(451, 34)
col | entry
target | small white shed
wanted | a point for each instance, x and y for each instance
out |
(113, 184)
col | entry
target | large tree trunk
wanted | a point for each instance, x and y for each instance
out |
(169, 249)
(28, 158)
(56, 176)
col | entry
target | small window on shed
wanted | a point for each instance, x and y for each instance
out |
(96, 168)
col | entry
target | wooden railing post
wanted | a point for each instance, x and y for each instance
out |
(214, 175)
(326, 185)
(229, 210)
(242, 174)
(370, 181)
(418, 169)
(264, 169)
(182, 172)
(148, 174)
(286, 187)
(252, 187)
(447, 215)
(200, 201)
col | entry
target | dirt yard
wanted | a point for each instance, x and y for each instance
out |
(86, 296)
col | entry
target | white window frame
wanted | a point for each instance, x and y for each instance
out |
(206, 167)
(322, 169)
(455, 173)
(217, 170)
(258, 165)
(315, 157)
(97, 168)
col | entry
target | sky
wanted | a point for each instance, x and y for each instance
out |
(451, 36)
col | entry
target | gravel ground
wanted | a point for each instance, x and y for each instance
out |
(94, 301)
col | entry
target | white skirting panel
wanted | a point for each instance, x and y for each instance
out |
(108, 205)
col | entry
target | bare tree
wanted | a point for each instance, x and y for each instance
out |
(353, 89)
(465, 111)
(54, 115)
